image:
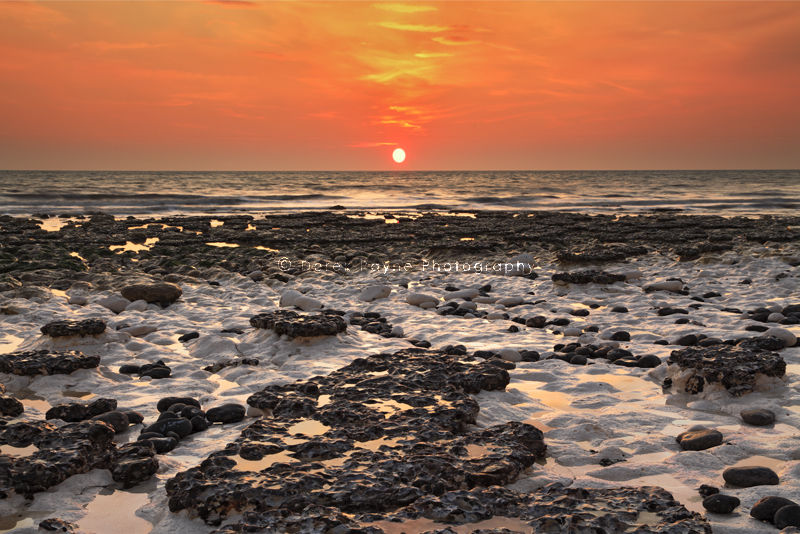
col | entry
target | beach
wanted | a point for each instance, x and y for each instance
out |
(575, 348)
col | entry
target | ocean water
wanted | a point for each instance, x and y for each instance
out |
(160, 193)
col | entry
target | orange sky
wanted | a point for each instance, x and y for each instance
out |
(335, 85)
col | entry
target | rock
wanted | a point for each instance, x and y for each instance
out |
(510, 355)
(134, 463)
(688, 340)
(10, 407)
(706, 491)
(788, 338)
(179, 425)
(619, 309)
(161, 445)
(118, 420)
(54, 524)
(164, 404)
(765, 508)
(720, 504)
(510, 302)
(188, 336)
(101, 405)
(620, 336)
(587, 277)
(137, 305)
(374, 292)
(306, 303)
(462, 294)
(734, 367)
(115, 303)
(78, 300)
(155, 370)
(775, 317)
(129, 369)
(758, 417)
(699, 440)
(292, 324)
(663, 312)
(746, 477)
(538, 321)
(674, 286)
(397, 331)
(787, 516)
(45, 362)
(64, 328)
(162, 293)
(227, 413)
(288, 297)
(648, 361)
(418, 299)
(139, 330)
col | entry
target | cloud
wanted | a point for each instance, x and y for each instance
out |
(454, 41)
(404, 8)
(422, 28)
(372, 144)
(432, 55)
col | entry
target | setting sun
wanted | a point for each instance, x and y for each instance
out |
(399, 155)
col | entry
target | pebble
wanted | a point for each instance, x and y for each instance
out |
(648, 361)
(462, 294)
(619, 309)
(115, 303)
(699, 440)
(686, 341)
(227, 413)
(510, 301)
(422, 300)
(572, 332)
(783, 334)
(667, 285)
(137, 305)
(397, 331)
(775, 317)
(788, 516)
(510, 355)
(720, 504)
(746, 477)
(162, 293)
(620, 336)
(758, 416)
(188, 336)
(374, 292)
(765, 508)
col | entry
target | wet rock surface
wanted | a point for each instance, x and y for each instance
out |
(163, 293)
(63, 328)
(45, 362)
(747, 476)
(735, 367)
(390, 438)
(294, 324)
(587, 277)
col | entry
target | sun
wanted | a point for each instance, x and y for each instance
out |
(399, 155)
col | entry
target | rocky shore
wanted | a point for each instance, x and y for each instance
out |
(400, 372)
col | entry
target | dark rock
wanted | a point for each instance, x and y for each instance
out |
(218, 366)
(787, 516)
(162, 293)
(648, 361)
(155, 370)
(619, 309)
(720, 504)
(227, 413)
(588, 277)
(101, 405)
(745, 477)
(134, 463)
(134, 418)
(688, 340)
(293, 324)
(86, 327)
(71, 412)
(130, 369)
(734, 367)
(765, 508)
(199, 423)
(10, 406)
(161, 445)
(529, 355)
(663, 312)
(758, 417)
(189, 336)
(164, 404)
(706, 490)
(45, 362)
(577, 359)
(54, 524)
(536, 322)
(621, 336)
(181, 426)
(118, 420)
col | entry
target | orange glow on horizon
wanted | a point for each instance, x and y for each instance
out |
(332, 85)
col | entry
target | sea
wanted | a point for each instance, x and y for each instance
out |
(727, 193)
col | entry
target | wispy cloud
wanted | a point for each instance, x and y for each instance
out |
(404, 8)
(372, 144)
(421, 28)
